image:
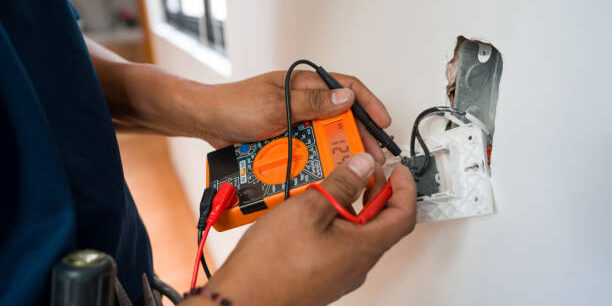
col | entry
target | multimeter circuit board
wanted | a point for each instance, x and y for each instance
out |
(236, 167)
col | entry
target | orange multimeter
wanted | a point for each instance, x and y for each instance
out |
(258, 169)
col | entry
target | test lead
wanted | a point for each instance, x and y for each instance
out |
(385, 140)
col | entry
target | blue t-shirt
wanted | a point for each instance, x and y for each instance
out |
(61, 180)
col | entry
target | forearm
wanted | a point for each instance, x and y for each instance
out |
(144, 98)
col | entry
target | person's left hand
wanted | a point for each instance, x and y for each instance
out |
(254, 109)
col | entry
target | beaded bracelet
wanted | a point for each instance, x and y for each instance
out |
(215, 297)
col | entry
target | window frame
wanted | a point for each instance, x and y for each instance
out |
(205, 29)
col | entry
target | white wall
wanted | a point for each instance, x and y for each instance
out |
(548, 242)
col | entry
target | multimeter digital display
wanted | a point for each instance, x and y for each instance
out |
(258, 169)
(338, 141)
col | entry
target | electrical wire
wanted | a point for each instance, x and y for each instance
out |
(369, 210)
(339, 208)
(202, 259)
(205, 208)
(225, 196)
(194, 275)
(289, 123)
(436, 110)
(166, 290)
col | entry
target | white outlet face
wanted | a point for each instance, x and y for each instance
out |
(463, 176)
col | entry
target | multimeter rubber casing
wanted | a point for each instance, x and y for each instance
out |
(258, 169)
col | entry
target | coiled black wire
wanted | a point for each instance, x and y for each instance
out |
(167, 290)
(436, 110)
(289, 123)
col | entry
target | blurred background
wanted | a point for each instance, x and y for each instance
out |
(117, 24)
(548, 240)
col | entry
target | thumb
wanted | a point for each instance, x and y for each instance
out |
(311, 104)
(345, 184)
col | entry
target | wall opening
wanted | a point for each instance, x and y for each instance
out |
(473, 76)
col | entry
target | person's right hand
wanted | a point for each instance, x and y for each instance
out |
(303, 253)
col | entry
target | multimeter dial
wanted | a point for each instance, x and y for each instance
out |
(270, 164)
(262, 166)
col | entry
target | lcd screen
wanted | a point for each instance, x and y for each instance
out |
(338, 141)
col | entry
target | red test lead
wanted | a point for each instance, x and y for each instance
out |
(225, 197)
(369, 210)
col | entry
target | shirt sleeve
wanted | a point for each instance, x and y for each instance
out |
(75, 13)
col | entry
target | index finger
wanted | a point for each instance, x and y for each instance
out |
(399, 217)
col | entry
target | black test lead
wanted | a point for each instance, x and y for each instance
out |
(385, 140)
(379, 134)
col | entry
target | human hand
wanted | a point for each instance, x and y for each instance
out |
(144, 98)
(302, 253)
(254, 109)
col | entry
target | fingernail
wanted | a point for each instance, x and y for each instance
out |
(340, 96)
(362, 164)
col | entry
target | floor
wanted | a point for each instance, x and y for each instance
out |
(163, 207)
